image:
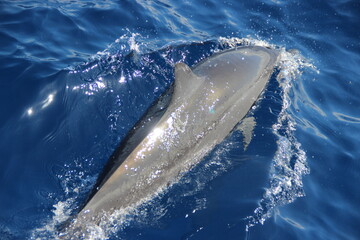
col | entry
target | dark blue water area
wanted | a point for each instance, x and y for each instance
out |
(77, 75)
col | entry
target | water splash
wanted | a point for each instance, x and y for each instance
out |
(70, 175)
(289, 164)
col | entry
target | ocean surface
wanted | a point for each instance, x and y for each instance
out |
(77, 75)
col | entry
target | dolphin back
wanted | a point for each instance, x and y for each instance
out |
(208, 100)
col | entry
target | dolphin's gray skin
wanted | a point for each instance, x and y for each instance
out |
(208, 101)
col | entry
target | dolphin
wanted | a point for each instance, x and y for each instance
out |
(207, 102)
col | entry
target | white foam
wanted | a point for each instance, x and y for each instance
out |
(289, 164)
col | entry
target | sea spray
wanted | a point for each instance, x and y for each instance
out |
(289, 164)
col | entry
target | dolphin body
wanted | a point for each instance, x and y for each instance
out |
(207, 103)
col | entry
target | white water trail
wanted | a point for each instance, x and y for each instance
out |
(289, 164)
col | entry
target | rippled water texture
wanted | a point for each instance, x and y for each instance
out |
(77, 75)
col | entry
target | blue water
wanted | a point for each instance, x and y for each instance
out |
(77, 75)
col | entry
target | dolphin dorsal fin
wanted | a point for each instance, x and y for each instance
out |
(185, 81)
